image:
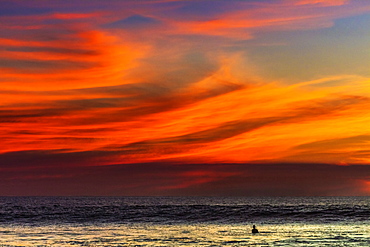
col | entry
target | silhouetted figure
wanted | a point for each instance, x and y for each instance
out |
(254, 230)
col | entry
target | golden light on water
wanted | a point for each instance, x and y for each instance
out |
(187, 235)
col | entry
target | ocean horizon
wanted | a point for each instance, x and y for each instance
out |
(184, 221)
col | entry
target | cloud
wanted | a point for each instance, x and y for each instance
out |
(32, 65)
(153, 125)
(134, 22)
(336, 143)
(248, 18)
(75, 59)
(148, 122)
(11, 8)
(353, 149)
(51, 50)
(171, 94)
(323, 2)
(45, 177)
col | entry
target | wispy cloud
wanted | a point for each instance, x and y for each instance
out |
(137, 82)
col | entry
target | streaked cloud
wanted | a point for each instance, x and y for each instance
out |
(111, 86)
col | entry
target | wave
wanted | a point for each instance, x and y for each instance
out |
(179, 210)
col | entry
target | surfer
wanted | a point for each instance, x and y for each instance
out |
(254, 230)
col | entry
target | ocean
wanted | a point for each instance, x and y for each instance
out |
(184, 221)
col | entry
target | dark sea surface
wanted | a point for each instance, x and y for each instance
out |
(184, 221)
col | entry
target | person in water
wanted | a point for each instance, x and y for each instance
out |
(254, 230)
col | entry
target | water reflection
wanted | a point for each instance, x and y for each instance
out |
(186, 235)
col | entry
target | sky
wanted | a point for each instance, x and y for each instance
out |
(185, 98)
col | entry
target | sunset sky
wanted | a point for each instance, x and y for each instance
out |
(171, 97)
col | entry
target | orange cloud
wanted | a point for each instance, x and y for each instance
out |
(251, 124)
(366, 186)
(145, 86)
(323, 2)
(87, 59)
(79, 91)
(286, 15)
(220, 118)
(243, 123)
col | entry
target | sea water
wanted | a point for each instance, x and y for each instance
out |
(184, 221)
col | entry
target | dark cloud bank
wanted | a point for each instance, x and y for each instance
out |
(43, 173)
